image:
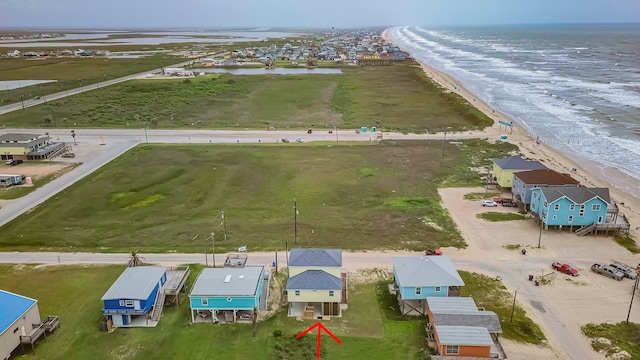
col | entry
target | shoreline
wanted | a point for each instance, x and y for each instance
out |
(623, 188)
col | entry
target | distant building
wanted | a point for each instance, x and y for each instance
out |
(21, 146)
(504, 168)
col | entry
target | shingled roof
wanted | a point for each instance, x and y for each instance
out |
(315, 257)
(314, 280)
(545, 177)
(578, 195)
(518, 163)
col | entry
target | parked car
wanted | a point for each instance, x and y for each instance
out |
(68, 155)
(489, 203)
(607, 270)
(432, 252)
(497, 200)
(565, 268)
(509, 203)
(300, 140)
(626, 270)
(285, 140)
(13, 162)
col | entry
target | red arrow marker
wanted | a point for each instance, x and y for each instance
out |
(320, 328)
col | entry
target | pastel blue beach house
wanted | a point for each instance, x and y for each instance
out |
(419, 277)
(570, 206)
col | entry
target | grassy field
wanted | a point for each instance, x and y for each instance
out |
(394, 98)
(73, 293)
(70, 72)
(360, 196)
(499, 216)
(621, 336)
(492, 295)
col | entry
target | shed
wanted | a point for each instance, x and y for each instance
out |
(17, 315)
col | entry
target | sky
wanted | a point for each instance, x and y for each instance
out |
(308, 13)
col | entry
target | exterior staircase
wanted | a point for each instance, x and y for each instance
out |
(158, 305)
(344, 287)
(587, 229)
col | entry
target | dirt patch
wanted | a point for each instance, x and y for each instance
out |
(36, 170)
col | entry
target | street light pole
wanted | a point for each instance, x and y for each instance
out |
(295, 221)
(444, 143)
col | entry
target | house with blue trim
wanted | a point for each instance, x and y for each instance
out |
(226, 295)
(524, 181)
(317, 285)
(504, 168)
(17, 315)
(570, 206)
(418, 277)
(129, 301)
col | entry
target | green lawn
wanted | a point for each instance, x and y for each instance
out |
(493, 296)
(398, 98)
(352, 196)
(74, 292)
(499, 216)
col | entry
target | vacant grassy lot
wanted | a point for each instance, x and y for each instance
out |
(74, 293)
(499, 216)
(493, 296)
(621, 336)
(399, 98)
(75, 72)
(364, 196)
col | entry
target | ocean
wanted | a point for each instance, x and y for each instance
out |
(575, 87)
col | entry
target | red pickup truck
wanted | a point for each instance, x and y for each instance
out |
(565, 269)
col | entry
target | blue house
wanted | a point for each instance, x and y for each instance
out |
(419, 277)
(524, 181)
(130, 299)
(570, 206)
(17, 316)
(226, 295)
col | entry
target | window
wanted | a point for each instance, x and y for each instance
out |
(581, 213)
(452, 350)
(330, 292)
(121, 302)
(536, 195)
(205, 301)
(437, 288)
(595, 207)
(556, 207)
(533, 206)
(545, 204)
(297, 292)
(572, 207)
(418, 291)
(128, 303)
(554, 217)
(570, 219)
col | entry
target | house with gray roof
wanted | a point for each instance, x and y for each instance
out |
(560, 206)
(130, 299)
(227, 295)
(317, 285)
(504, 168)
(418, 277)
(524, 181)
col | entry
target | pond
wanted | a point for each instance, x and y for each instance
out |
(263, 71)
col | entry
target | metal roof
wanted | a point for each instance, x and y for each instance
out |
(241, 281)
(464, 335)
(518, 163)
(452, 305)
(135, 283)
(17, 137)
(545, 177)
(314, 280)
(315, 257)
(486, 319)
(12, 308)
(413, 271)
(578, 195)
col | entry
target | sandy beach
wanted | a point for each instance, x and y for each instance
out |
(624, 189)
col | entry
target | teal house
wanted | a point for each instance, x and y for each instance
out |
(419, 277)
(570, 206)
(226, 295)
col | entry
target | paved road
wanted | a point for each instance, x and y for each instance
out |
(50, 97)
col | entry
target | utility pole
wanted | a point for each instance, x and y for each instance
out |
(213, 239)
(444, 143)
(295, 221)
(146, 138)
(65, 88)
(513, 307)
(224, 223)
(540, 235)
(633, 294)
(336, 135)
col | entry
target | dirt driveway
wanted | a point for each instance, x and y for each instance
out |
(565, 304)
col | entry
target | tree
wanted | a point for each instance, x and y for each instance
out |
(48, 120)
(135, 259)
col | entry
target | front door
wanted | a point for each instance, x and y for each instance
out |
(599, 219)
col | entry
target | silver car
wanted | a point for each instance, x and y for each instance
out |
(626, 270)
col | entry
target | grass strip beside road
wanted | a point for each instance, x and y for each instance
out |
(613, 339)
(494, 216)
